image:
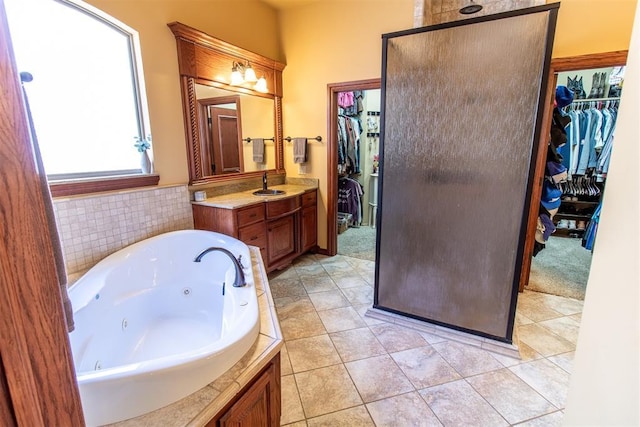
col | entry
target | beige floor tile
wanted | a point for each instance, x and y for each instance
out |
(362, 310)
(432, 338)
(458, 404)
(289, 273)
(307, 259)
(312, 353)
(323, 259)
(352, 417)
(521, 319)
(338, 267)
(548, 379)
(527, 354)
(577, 317)
(404, 410)
(424, 367)
(328, 300)
(351, 280)
(378, 377)
(564, 360)
(359, 295)
(565, 327)
(291, 405)
(326, 390)
(534, 310)
(293, 306)
(543, 341)
(298, 424)
(510, 396)
(466, 359)
(319, 284)
(397, 338)
(310, 270)
(285, 362)
(565, 306)
(551, 420)
(286, 288)
(356, 344)
(341, 319)
(302, 326)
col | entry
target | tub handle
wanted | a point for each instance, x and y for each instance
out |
(240, 262)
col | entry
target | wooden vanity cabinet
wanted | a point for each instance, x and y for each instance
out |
(258, 404)
(283, 228)
(282, 231)
(308, 222)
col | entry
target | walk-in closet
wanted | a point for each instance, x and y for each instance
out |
(358, 135)
(582, 139)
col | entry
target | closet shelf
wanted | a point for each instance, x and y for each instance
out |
(572, 216)
(580, 202)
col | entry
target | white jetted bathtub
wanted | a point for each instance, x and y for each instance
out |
(153, 326)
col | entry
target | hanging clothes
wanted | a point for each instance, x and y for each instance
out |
(589, 137)
(349, 130)
(350, 194)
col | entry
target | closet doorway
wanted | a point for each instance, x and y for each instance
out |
(562, 262)
(354, 135)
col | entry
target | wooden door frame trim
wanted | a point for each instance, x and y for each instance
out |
(573, 63)
(332, 154)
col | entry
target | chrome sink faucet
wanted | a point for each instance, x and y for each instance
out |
(237, 263)
(264, 181)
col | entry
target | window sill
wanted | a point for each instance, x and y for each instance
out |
(96, 185)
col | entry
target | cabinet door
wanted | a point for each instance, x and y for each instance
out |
(281, 239)
(259, 406)
(308, 233)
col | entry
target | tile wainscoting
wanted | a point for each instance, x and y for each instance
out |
(93, 227)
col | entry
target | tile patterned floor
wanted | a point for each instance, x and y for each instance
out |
(340, 368)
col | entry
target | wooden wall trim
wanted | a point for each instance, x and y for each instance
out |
(585, 62)
(71, 188)
(36, 354)
(332, 154)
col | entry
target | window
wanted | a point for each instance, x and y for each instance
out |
(87, 94)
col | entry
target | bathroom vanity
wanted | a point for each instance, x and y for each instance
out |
(283, 226)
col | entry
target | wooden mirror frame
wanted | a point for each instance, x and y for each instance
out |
(203, 59)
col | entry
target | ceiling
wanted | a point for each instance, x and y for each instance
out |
(287, 4)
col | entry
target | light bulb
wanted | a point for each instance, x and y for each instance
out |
(236, 75)
(249, 74)
(261, 85)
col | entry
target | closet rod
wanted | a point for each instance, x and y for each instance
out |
(249, 139)
(317, 138)
(596, 99)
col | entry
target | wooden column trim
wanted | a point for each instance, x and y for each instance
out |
(36, 355)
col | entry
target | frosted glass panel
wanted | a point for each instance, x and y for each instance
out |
(459, 120)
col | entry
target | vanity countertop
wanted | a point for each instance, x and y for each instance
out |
(200, 407)
(246, 198)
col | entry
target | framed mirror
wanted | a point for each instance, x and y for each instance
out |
(229, 124)
(223, 120)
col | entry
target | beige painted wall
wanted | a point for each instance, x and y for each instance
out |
(330, 41)
(592, 26)
(249, 24)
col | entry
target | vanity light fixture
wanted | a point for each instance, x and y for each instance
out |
(244, 73)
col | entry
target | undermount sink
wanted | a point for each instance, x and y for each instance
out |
(268, 192)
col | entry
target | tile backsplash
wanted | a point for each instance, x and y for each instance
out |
(93, 227)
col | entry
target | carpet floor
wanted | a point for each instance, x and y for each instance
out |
(358, 243)
(562, 268)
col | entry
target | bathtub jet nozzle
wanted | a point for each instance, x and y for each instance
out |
(240, 280)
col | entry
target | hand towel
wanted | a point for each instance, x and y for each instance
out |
(299, 150)
(258, 150)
